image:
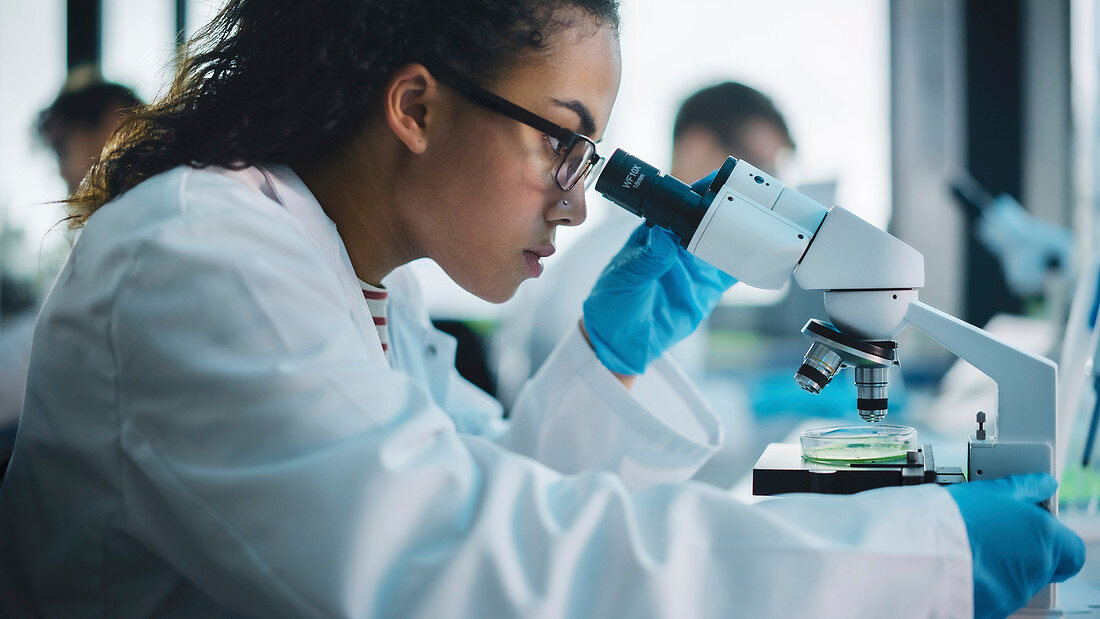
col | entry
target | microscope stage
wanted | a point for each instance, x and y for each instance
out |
(781, 470)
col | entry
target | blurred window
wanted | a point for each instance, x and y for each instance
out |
(139, 44)
(32, 68)
(200, 12)
(1085, 71)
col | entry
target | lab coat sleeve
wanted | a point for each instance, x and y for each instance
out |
(282, 471)
(575, 415)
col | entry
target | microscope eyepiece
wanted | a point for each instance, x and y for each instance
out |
(627, 180)
(658, 198)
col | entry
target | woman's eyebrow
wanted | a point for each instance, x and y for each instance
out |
(588, 124)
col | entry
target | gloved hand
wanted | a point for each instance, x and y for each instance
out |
(1028, 247)
(1018, 547)
(652, 295)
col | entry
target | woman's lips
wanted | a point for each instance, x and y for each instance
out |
(532, 257)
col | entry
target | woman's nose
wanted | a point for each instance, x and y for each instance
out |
(570, 209)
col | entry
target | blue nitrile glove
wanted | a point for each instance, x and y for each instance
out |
(652, 295)
(1026, 245)
(1018, 547)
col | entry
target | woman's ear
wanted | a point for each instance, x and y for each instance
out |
(408, 103)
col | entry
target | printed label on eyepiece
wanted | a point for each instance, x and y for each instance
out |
(633, 178)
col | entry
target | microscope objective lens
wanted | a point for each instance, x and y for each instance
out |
(871, 384)
(818, 368)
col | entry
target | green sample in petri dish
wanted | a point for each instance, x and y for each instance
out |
(844, 444)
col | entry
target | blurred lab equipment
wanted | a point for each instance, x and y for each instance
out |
(754, 228)
(1031, 250)
(1078, 412)
(1080, 366)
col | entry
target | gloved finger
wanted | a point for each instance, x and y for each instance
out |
(700, 186)
(703, 272)
(1032, 488)
(667, 240)
(638, 236)
(639, 261)
(1069, 551)
(656, 256)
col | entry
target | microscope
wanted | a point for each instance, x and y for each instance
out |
(754, 228)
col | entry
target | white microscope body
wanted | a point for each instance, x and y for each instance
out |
(751, 226)
(762, 232)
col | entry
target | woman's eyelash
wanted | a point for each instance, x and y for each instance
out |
(554, 144)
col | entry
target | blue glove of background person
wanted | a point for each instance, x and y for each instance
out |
(652, 295)
(1018, 547)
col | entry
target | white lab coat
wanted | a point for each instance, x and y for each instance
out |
(211, 429)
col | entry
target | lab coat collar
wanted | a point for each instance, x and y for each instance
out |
(292, 193)
(282, 184)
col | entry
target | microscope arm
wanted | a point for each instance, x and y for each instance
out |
(1026, 396)
(1026, 383)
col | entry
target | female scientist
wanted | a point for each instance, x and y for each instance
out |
(236, 405)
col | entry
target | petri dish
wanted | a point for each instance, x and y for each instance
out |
(842, 444)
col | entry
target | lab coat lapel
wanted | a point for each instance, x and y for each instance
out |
(293, 194)
(423, 352)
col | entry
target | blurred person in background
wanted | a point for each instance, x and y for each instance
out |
(727, 119)
(81, 119)
(76, 126)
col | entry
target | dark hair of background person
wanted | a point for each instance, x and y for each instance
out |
(287, 81)
(82, 105)
(724, 110)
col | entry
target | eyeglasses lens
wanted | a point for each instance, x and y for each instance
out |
(576, 164)
(594, 173)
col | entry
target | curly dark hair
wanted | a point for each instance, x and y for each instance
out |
(285, 81)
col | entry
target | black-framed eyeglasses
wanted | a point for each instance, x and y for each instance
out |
(577, 158)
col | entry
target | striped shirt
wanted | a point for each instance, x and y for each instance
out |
(377, 299)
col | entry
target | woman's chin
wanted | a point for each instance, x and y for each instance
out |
(498, 296)
(497, 291)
